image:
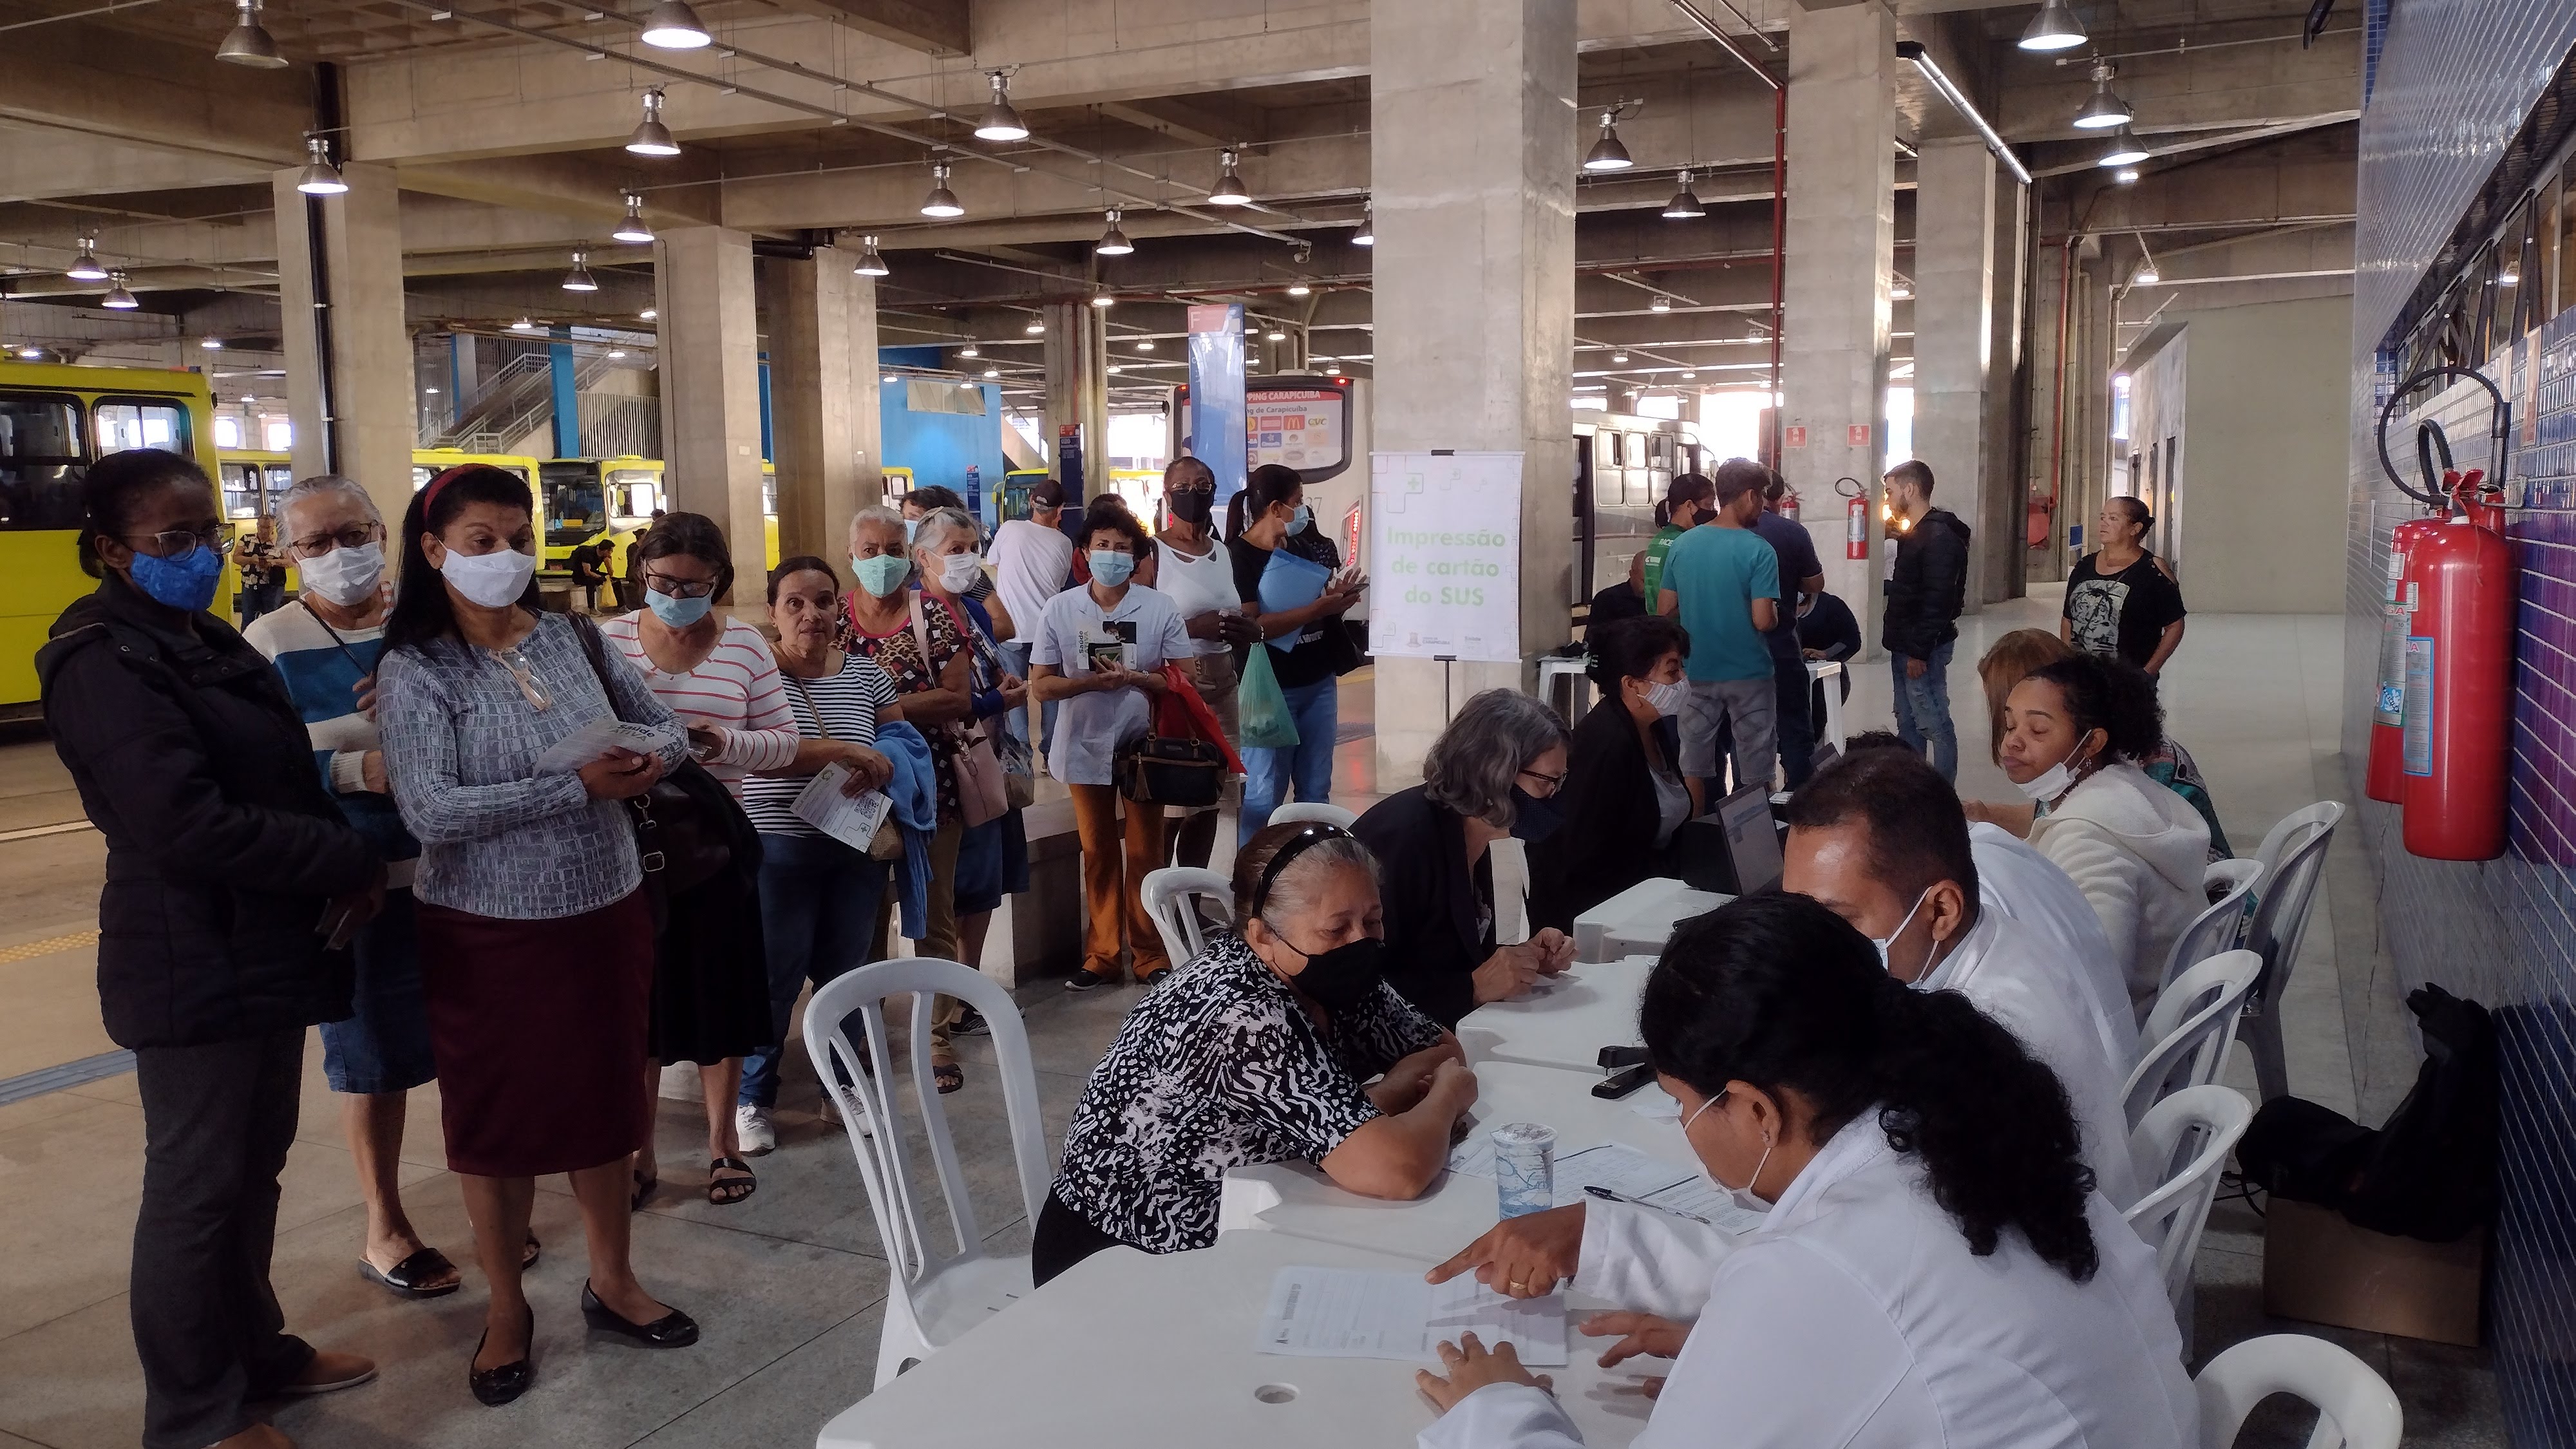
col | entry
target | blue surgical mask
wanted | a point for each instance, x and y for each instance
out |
(677, 612)
(1112, 567)
(883, 574)
(186, 582)
(1298, 520)
(911, 526)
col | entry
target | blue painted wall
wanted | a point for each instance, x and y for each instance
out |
(567, 398)
(939, 447)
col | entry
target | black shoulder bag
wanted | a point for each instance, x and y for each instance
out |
(688, 827)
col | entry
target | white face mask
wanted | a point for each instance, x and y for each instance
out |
(1883, 942)
(957, 571)
(1744, 1197)
(1666, 700)
(490, 579)
(2048, 784)
(344, 576)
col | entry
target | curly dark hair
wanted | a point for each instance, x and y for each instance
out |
(1628, 648)
(1779, 992)
(2107, 695)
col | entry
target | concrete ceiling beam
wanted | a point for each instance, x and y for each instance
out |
(137, 90)
(933, 27)
(40, 163)
(581, 188)
(2305, 180)
(2249, 85)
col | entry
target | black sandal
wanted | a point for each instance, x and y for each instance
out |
(528, 1254)
(726, 1191)
(643, 1190)
(405, 1278)
(949, 1076)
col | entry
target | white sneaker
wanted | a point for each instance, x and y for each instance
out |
(824, 1108)
(751, 1126)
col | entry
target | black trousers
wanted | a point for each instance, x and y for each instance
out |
(217, 1120)
(1797, 737)
(1061, 1239)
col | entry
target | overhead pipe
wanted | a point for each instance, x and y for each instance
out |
(2057, 420)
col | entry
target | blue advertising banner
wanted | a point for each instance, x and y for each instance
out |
(1216, 395)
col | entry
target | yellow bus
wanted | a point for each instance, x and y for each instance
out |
(588, 500)
(54, 422)
(253, 480)
(428, 463)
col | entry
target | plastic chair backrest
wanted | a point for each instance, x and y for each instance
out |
(882, 1165)
(2293, 856)
(2202, 1125)
(2190, 1029)
(2355, 1407)
(1297, 810)
(1170, 896)
(2217, 928)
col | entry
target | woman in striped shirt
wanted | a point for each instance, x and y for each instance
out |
(710, 981)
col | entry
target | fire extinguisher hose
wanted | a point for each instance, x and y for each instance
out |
(2429, 435)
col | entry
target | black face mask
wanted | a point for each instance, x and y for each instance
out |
(1534, 819)
(1190, 505)
(1344, 976)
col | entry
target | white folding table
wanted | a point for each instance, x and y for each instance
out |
(1132, 1351)
(1564, 1021)
(1639, 920)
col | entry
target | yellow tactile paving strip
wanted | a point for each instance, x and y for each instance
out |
(29, 950)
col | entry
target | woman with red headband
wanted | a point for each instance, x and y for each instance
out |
(536, 942)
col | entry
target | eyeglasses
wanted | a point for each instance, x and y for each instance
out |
(1552, 781)
(531, 688)
(354, 536)
(178, 543)
(670, 587)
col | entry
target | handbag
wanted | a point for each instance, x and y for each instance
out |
(1174, 764)
(1019, 766)
(982, 795)
(688, 828)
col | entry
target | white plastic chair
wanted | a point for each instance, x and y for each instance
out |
(1171, 897)
(934, 1297)
(2293, 857)
(1330, 814)
(2355, 1407)
(2199, 1125)
(2189, 1030)
(2217, 928)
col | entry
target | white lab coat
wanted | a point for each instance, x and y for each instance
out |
(1857, 1318)
(2136, 850)
(2023, 884)
(1999, 967)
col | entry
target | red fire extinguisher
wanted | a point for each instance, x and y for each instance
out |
(1855, 518)
(1789, 505)
(2386, 781)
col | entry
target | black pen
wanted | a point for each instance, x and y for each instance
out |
(1606, 1195)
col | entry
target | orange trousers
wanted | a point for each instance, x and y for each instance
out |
(1115, 862)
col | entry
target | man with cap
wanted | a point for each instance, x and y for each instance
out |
(1032, 563)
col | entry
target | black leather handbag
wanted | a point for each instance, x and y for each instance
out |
(688, 827)
(1169, 770)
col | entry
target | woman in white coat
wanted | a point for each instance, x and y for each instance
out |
(1935, 1269)
(2074, 732)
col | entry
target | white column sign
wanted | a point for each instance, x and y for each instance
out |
(1445, 555)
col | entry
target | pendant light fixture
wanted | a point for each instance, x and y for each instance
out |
(87, 267)
(2053, 28)
(2103, 109)
(1685, 203)
(1619, 358)
(1900, 290)
(524, 324)
(992, 372)
(212, 344)
(1300, 289)
(1103, 299)
(632, 230)
(1144, 344)
(650, 137)
(249, 42)
(1366, 236)
(941, 202)
(1001, 121)
(320, 177)
(2124, 150)
(1036, 327)
(1276, 334)
(648, 314)
(117, 296)
(579, 278)
(674, 26)
(1113, 242)
(1661, 303)
(970, 350)
(871, 262)
(1608, 153)
(1230, 190)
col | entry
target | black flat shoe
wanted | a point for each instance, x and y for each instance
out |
(498, 1386)
(672, 1330)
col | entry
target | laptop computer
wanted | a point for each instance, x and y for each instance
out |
(1734, 849)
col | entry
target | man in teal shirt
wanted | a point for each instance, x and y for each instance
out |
(1722, 580)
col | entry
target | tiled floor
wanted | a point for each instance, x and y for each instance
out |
(789, 1284)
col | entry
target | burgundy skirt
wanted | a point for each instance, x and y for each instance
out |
(538, 1029)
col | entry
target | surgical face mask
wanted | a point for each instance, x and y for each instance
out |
(1883, 942)
(1534, 819)
(186, 582)
(1344, 976)
(344, 576)
(1298, 520)
(2048, 784)
(1666, 700)
(883, 574)
(1744, 1197)
(490, 579)
(957, 571)
(911, 526)
(1112, 567)
(677, 612)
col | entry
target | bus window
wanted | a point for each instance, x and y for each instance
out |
(40, 461)
(137, 424)
(241, 489)
(420, 477)
(575, 508)
(631, 492)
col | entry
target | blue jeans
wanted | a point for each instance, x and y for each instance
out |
(1923, 709)
(1267, 774)
(818, 920)
(1016, 658)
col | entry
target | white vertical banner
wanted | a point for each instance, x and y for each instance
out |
(1445, 556)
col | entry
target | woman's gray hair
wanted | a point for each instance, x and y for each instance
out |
(1294, 889)
(1492, 739)
(938, 523)
(322, 483)
(876, 514)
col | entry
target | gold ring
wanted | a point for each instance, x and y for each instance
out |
(1518, 1284)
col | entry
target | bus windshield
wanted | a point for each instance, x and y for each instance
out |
(576, 508)
(40, 461)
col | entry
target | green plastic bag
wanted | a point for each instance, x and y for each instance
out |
(1267, 724)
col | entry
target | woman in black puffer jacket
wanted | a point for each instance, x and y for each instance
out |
(226, 864)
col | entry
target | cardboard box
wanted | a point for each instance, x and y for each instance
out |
(2320, 1268)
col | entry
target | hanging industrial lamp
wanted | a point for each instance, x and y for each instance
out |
(1103, 299)
(1230, 190)
(524, 324)
(579, 278)
(1113, 242)
(2124, 150)
(1036, 327)
(674, 26)
(117, 296)
(1661, 303)
(1685, 203)
(2103, 109)
(2053, 28)
(632, 230)
(941, 202)
(871, 262)
(1366, 236)
(320, 177)
(1608, 153)
(1001, 121)
(87, 267)
(651, 137)
(249, 42)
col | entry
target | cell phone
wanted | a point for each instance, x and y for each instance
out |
(1619, 1084)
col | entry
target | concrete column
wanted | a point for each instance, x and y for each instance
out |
(1841, 240)
(1077, 388)
(1954, 220)
(373, 416)
(710, 346)
(2007, 488)
(824, 422)
(1473, 155)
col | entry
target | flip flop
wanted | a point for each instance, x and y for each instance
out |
(407, 1276)
(528, 1254)
(948, 1075)
(726, 1191)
